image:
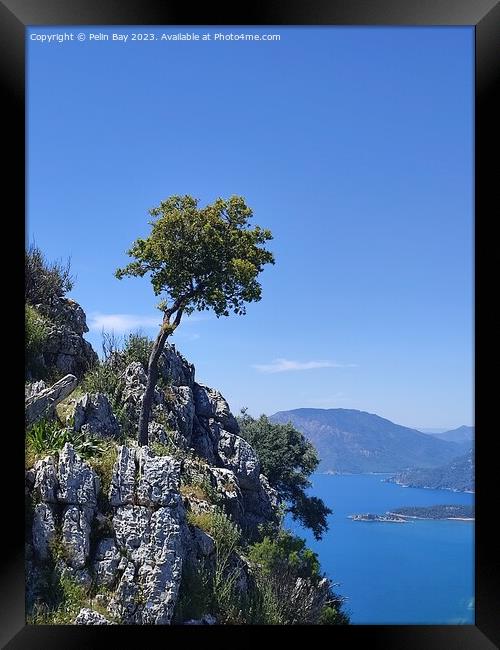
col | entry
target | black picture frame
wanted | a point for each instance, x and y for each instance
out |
(484, 15)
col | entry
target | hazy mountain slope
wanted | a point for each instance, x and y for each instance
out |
(461, 435)
(348, 440)
(456, 475)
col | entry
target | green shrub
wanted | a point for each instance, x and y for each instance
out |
(279, 563)
(103, 464)
(44, 280)
(36, 333)
(287, 459)
(137, 347)
(47, 437)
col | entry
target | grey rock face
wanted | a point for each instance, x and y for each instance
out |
(67, 351)
(90, 617)
(107, 559)
(148, 530)
(174, 368)
(122, 488)
(42, 404)
(43, 530)
(180, 407)
(227, 487)
(76, 535)
(65, 312)
(160, 478)
(93, 415)
(209, 403)
(78, 483)
(237, 455)
(34, 388)
(46, 483)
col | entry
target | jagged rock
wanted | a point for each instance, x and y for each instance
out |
(180, 407)
(124, 602)
(224, 481)
(135, 380)
(134, 385)
(159, 479)
(204, 545)
(78, 484)
(46, 483)
(237, 455)
(80, 576)
(90, 617)
(42, 404)
(107, 559)
(158, 433)
(174, 368)
(122, 487)
(67, 351)
(160, 581)
(209, 403)
(93, 415)
(34, 388)
(43, 530)
(76, 523)
(131, 525)
(205, 438)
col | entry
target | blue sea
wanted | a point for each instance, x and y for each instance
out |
(415, 573)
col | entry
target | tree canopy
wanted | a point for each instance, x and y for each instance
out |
(287, 459)
(197, 259)
(202, 258)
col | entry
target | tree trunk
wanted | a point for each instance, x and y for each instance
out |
(147, 399)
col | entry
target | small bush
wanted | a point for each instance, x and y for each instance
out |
(36, 333)
(287, 579)
(45, 280)
(47, 437)
(103, 464)
(137, 347)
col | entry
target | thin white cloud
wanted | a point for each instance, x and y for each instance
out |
(122, 323)
(285, 365)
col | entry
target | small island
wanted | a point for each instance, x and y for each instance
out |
(403, 515)
(388, 517)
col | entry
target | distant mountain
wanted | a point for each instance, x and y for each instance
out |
(456, 475)
(351, 441)
(462, 435)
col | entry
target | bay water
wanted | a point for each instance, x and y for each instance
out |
(421, 572)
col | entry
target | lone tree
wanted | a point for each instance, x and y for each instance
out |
(198, 259)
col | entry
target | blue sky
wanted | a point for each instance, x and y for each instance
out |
(353, 145)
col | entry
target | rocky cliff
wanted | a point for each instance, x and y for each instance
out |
(121, 526)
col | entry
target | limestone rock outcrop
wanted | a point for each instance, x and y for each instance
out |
(41, 401)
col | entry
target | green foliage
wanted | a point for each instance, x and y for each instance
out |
(287, 459)
(36, 332)
(104, 377)
(47, 437)
(137, 347)
(103, 463)
(44, 280)
(218, 593)
(195, 597)
(280, 564)
(285, 550)
(333, 615)
(61, 600)
(204, 258)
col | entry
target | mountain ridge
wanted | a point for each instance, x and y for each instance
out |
(355, 441)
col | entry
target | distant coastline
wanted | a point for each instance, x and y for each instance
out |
(404, 515)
